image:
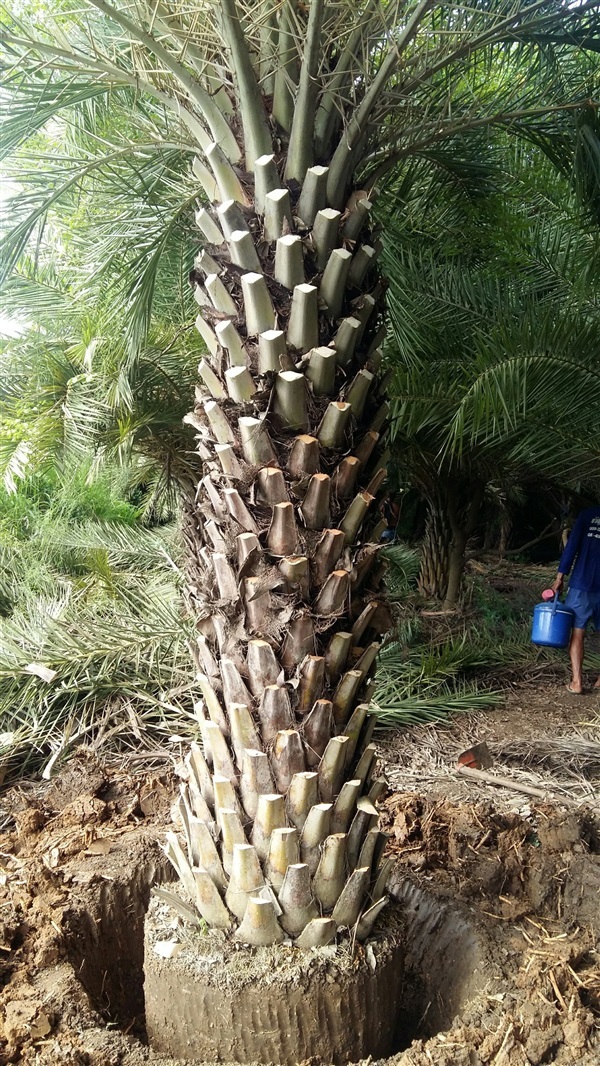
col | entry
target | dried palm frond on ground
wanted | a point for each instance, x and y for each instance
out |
(566, 767)
(106, 668)
(577, 751)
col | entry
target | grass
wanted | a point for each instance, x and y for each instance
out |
(37, 521)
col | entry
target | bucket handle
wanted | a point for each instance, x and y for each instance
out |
(555, 602)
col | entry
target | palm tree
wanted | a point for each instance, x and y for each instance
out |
(72, 393)
(493, 342)
(293, 115)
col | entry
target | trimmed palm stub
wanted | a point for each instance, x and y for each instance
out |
(280, 827)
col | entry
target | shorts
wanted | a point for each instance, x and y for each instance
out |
(585, 605)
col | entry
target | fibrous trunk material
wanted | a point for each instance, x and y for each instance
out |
(278, 833)
(208, 1004)
(435, 552)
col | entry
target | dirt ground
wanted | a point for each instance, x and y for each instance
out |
(499, 890)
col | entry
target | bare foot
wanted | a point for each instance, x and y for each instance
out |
(574, 690)
(597, 685)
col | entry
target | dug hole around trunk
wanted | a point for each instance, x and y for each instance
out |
(114, 926)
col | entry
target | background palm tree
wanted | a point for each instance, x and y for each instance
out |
(494, 330)
(291, 116)
(72, 392)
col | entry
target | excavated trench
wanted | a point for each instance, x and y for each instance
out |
(436, 964)
(444, 962)
(104, 938)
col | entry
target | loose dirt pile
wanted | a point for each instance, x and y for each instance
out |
(501, 909)
(528, 891)
(74, 882)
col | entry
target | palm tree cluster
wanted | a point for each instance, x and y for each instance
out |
(493, 341)
(292, 115)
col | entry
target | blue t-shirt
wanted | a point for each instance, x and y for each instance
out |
(584, 546)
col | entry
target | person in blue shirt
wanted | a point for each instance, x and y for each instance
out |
(582, 554)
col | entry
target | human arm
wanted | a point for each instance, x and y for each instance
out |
(571, 550)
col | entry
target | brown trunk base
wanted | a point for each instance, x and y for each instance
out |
(219, 1001)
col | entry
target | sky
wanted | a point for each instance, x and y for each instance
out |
(10, 327)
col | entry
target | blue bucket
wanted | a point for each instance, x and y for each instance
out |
(552, 624)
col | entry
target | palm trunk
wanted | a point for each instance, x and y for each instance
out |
(463, 522)
(456, 567)
(286, 586)
(435, 552)
(449, 526)
(506, 527)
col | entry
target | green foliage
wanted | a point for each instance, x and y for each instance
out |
(70, 391)
(71, 496)
(95, 600)
(107, 199)
(39, 522)
(504, 618)
(118, 670)
(77, 498)
(402, 570)
(495, 327)
(435, 667)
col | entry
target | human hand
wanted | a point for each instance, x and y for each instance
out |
(558, 583)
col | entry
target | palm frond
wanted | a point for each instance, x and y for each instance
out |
(419, 685)
(125, 547)
(402, 569)
(96, 657)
